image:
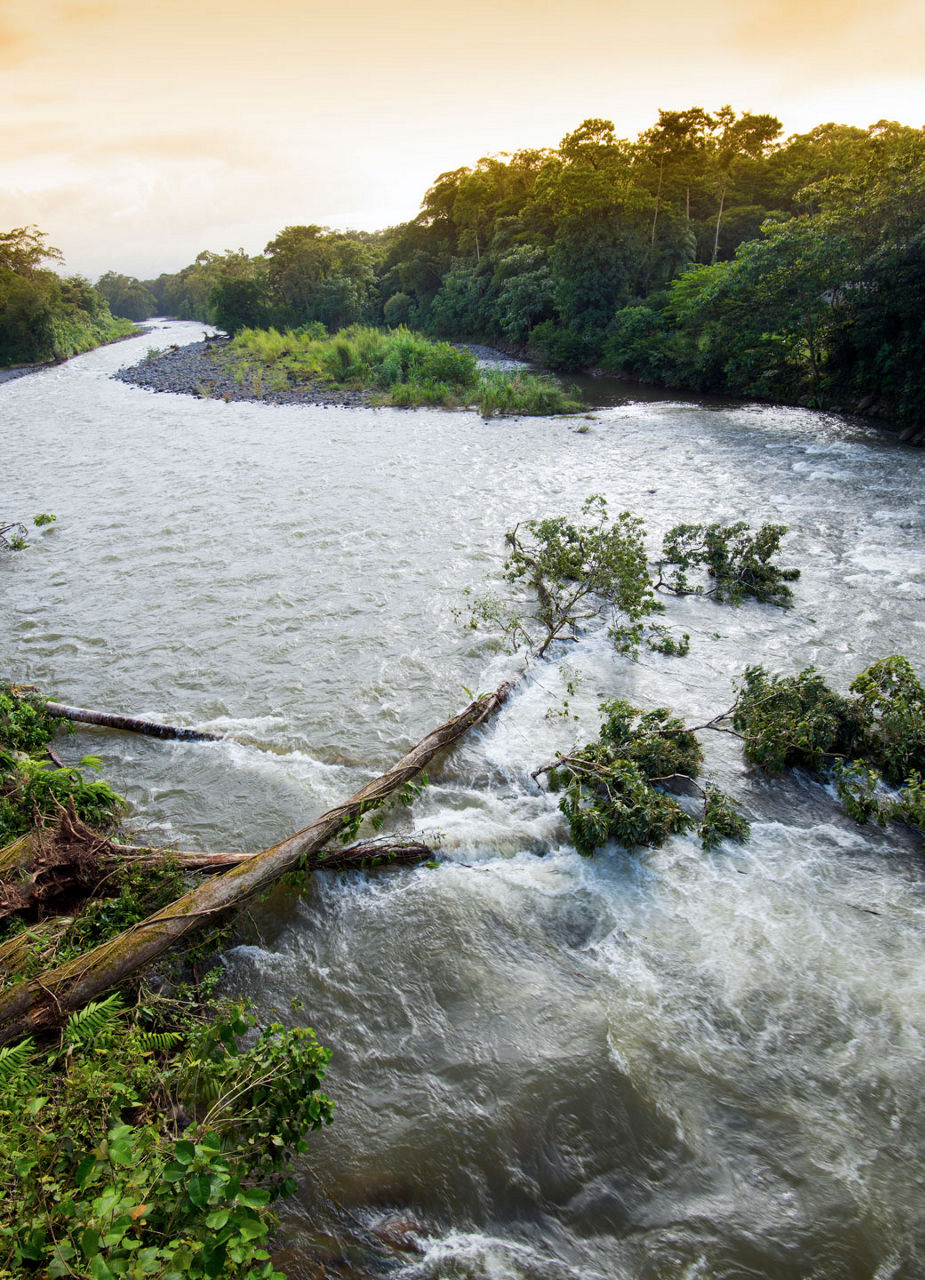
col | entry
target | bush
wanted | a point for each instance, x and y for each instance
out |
(524, 393)
(561, 349)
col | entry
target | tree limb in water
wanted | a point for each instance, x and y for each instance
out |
(58, 868)
(130, 724)
(43, 1002)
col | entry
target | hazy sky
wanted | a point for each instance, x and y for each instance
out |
(137, 134)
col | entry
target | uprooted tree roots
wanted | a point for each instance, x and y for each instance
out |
(50, 874)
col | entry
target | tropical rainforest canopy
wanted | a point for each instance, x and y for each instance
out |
(708, 253)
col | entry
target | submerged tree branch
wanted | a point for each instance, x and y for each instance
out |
(38, 1004)
(130, 724)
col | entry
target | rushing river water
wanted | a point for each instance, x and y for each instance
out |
(664, 1065)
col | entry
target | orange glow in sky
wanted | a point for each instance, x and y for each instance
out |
(137, 135)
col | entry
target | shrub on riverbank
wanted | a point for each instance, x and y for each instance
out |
(527, 393)
(400, 367)
(43, 317)
(152, 1137)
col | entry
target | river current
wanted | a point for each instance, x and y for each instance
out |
(653, 1066)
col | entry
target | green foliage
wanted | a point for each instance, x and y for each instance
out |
(127, 896)
(87, 1194)
(401, 368)
(31, 793)
(25, 725)
(14, 536)
(43, 317)
(523, 393)
(613, 788)
(613, 801)
(703, 254)
(721, 820)
(891, 698)
(152, 1140)
(737, 561)
(236, 304)
(794, 721)
(577, 572)
(403, 798)
(559, 348)
(875, 737)
(127, 296)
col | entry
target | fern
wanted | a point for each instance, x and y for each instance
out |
(156, 1041)
(94, 1022)
(14, 1066)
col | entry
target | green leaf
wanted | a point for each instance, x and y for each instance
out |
(199, 1189)
(184, 1152)
(122, 1152)
(214, 1259)
(100, 1269)
(84, 1171)
(90, 1242)
(254, 1197)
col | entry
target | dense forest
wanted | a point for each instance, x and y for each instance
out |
(42, 316)
(708, 254)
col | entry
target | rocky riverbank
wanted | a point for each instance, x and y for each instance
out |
(198, 370)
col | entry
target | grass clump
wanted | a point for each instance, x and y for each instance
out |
(398, 367)
(534, 395)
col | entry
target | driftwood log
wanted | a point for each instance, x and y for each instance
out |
(41, 1003)
(151, 728)
(55, 869)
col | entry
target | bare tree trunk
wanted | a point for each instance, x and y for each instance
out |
(60, 867)
(109, 721)
(41, 1003)
(719, 219)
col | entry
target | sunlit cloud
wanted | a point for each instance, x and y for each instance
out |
(139, 135)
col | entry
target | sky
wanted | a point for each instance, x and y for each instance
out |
(138, 134)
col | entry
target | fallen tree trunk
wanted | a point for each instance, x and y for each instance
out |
(41, 1003)
(58, 868)
(151, 728)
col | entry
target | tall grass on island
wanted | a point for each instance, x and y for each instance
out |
(397, 366)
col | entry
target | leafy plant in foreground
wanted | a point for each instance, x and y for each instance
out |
(89, 1195)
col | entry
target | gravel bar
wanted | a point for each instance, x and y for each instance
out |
(196, 370)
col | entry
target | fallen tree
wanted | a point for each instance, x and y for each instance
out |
(44, 1002)
(573, 571)
(53, 870)
(129, 724)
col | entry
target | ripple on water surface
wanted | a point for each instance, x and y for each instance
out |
(666, 1065)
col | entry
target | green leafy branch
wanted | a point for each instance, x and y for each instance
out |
(617, 787)
(574, 572)
(14, 536)
(738, 563)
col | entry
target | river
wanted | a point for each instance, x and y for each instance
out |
(636, 1067)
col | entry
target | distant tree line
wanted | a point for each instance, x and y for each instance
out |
(708, 253)
(42, 316)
